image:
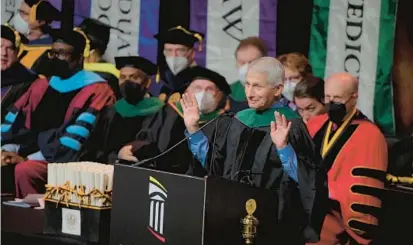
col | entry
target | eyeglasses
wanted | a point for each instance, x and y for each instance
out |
(60, 54)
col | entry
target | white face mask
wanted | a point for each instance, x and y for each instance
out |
(206, 102)
(20, 25)
(176, 63)
(288, 90)
(242, 73)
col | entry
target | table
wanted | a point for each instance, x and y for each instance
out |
(25, 226)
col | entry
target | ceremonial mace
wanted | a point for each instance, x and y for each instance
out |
(249, 222)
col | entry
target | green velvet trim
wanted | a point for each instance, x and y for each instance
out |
(145, 107)
(253, 119)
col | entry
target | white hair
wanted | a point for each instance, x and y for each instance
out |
(271, 67)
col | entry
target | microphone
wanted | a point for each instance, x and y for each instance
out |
(140, 163)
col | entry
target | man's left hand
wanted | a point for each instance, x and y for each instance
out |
(279, 130)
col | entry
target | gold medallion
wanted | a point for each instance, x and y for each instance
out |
(251, 206)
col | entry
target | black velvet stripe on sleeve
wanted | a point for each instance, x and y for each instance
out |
(368, 172)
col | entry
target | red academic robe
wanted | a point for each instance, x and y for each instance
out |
(51, 122)
(356, 160)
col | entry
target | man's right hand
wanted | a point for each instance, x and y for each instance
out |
(9, 158)
(126, 154)
(191, 112)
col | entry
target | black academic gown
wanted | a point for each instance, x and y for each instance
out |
(247, 154)
(15, 81)
(113, 132)
(56, 117)
(166, 128)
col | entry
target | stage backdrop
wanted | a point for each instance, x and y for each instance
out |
(358, 37)
(225, 23)
(135, 23)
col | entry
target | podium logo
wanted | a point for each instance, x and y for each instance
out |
(157, 196)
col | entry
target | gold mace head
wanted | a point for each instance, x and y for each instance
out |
(249, 222)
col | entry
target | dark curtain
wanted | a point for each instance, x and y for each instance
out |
(294, 26)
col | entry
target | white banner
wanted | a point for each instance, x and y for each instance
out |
(124, 15)
(220, 52)
(225, 23)
(352, 45)
(9, 9)
(128, 37)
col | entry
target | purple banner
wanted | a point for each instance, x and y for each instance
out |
(82, 10)
(268, 25)
(149, 26)
(198, 22)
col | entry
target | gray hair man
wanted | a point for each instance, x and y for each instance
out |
(267, 146)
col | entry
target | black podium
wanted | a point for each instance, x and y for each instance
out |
(152, 207)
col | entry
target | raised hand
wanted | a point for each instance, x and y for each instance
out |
(191, 112)
(279, 130)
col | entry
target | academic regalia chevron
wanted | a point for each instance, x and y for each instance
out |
(56, 117)
(355, 155)
(15, 81)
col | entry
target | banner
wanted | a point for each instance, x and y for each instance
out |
(225, 23)
(134, 21)
(357, 36)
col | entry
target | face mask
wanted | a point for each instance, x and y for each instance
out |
(176, 63)
(288, 90)
(242, 73)
(206, 102)
(336, 112)
(59, 68)
(20, 25)
(132, 92)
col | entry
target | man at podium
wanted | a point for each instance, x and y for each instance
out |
(255, 147)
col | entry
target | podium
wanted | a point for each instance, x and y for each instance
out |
(153, 207)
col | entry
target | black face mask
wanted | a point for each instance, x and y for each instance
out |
(336, 112)
(132, 92)
(59, 68)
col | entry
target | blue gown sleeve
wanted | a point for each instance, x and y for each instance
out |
(199, 146)
(289, 161)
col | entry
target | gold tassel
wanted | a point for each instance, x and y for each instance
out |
(33, 12)
(158, 76)
(86, 51)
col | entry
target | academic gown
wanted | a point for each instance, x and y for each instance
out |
(355, 156)
(53, 118)
(14, 83)
(50, 123)
(244, 151)
(166, 129)
(118, 126)
(33, 54)
(168, 85)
